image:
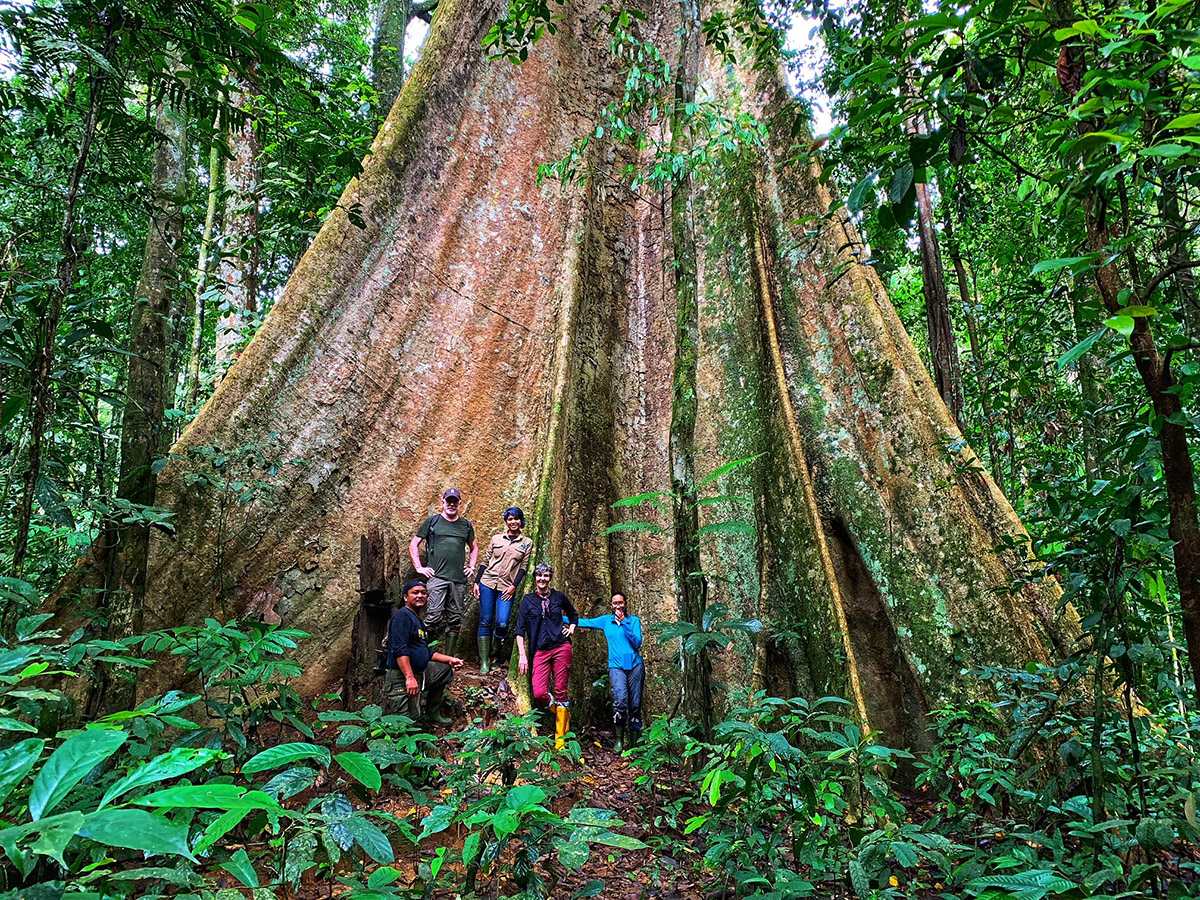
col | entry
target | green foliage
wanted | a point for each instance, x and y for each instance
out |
(244, 674)
(501, 788)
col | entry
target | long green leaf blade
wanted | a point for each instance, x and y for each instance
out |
(67, 765)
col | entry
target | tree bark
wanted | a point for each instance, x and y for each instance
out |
(387, 48)
(148, 388)
(978, 361)
(520, 341)
(238, 266)
(192, 386)
(690, 582)
(943, 345)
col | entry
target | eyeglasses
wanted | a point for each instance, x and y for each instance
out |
(451, 501)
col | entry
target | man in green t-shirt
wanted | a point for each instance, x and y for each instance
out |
(447, 537)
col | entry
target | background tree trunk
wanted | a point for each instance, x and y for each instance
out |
(196, 350)
(520, 341)
(148, 389)
(387, 48)
(238, 267)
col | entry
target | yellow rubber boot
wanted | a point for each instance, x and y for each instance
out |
(562, 724)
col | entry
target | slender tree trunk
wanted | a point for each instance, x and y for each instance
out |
(238, 269)
(966, 297)
(148, 386)
(1157, 378)
(943, 347)
(192, 386)
(1178, 471)
(40, 386)
(387, 49)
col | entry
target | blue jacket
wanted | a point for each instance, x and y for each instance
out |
(624, 640)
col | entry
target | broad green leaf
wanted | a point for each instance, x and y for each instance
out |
(470, 847)
(136, 829)
(1138, 311)
(209, 796)
(1081, 348)
(854, 201)
(240, 867)
(1166, 151)
(169, 765)
(586, 815)
(505, 822)
(53, 835)
(573, 853)
(29, 625)
(613, 839)
(524, 797)
(901, 181)
(1123, 324)
(1191, 120)
(273, 757)
(291, 782)
(10, 724)
(361, 768)
(1053, 265)
(369, 836)
(67, 765)
(439, 819)
(386, 875)
(220, 827)
(15, 763)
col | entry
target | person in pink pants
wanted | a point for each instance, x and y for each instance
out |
(541, 632)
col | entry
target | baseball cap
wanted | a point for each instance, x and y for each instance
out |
(452, 492)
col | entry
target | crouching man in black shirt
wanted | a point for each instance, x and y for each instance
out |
(412, 668)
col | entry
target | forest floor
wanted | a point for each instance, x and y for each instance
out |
(601, 778)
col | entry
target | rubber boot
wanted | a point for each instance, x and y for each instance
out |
(433, 707)
(485, 654)
(503, 652)
(562, 724)
(619, 743)
(451, 642)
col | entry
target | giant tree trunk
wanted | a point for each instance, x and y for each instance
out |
(520, 343)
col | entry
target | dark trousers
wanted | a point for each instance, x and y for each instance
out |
(627, 695)
(435, 678)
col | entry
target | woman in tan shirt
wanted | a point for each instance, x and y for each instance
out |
(496, 583)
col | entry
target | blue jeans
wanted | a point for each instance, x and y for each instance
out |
(493, 608)
(627, 695)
